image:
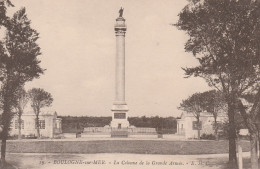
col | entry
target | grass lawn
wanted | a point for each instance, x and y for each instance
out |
(123, 146)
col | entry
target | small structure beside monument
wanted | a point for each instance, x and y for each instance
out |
(187, 124)
(50, 125)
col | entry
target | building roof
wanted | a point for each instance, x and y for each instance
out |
(43, 113)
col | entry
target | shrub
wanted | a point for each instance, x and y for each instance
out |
(30, 136)
(14, 137)
(207, 136)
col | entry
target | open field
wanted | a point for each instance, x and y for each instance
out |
(122, 146)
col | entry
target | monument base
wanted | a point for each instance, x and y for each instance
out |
(119, 124)
(119, 115)
(119, 133)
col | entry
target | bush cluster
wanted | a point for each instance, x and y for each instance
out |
(207, 136)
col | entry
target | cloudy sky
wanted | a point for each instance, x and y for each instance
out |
(78, 50)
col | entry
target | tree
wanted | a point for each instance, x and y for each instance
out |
(250, 112)
(22, 100)
(39, 99)
(195, 104)
(4, 19)
(216, 105)
(224, 38)
(18, 65)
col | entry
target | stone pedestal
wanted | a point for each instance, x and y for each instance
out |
(119, 108)
(119, 115)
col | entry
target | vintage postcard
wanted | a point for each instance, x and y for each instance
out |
(169, 84)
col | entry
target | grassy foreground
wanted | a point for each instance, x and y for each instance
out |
(123, 146)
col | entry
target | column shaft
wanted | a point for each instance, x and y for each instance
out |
(120, 68)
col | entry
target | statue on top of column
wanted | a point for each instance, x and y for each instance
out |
(121, 12)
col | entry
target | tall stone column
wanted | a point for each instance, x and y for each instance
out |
(119, 108)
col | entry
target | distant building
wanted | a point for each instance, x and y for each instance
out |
(187, 124)
(50, 125)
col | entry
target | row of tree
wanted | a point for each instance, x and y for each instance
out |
(224, 36)
(211, 102)
(38, 98)
(19, 64)
(162, 124)
(77, 124)
(72, 124)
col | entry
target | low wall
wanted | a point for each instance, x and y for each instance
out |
(96, 135)
(143, 136)
(174, 137)
(109, 129)
(96, 129)
(69, 135)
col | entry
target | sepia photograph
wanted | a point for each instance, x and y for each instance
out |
(140, 84)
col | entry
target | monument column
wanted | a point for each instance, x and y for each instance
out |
(119, 108)
(120, 30)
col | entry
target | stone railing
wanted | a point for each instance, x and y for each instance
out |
(141, 130)
(97, 130)
(109, 129)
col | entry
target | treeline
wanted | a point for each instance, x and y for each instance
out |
(154, 122)
(73, 124)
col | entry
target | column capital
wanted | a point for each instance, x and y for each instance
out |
(120, 32)
(120, 26)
